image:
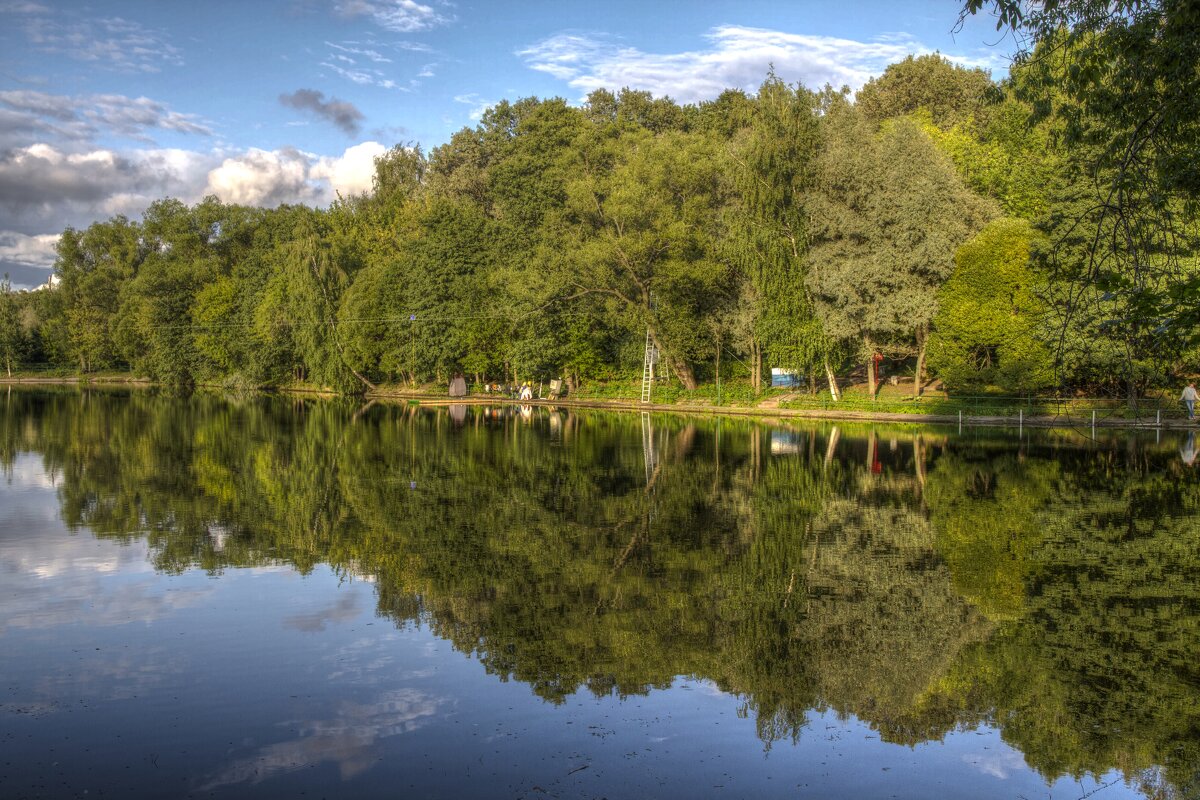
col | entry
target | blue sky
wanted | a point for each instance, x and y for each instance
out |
(106, 106)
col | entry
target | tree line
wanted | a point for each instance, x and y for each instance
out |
(988, 234)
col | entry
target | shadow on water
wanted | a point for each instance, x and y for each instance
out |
(921, 580)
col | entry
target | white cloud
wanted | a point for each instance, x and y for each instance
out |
(360, 75)
(131, 115)
(477, 103)
(352, 172)
(398, 16)
(352, 47)
(352, 738)
(737, 58)
(28, 251)
(111, 42)
(998, 764)
(413, 47)
(81, 118)
(268, 178)
(17, 7)
(45, 183)
(262, 178)
(44, 188)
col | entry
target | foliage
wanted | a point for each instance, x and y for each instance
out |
(788, 228)
(12, 337)
(768, 233)
(888, 215)
(986, 332)
(1120, 81)
(949, 94)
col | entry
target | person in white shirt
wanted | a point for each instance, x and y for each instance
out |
(1189, 399)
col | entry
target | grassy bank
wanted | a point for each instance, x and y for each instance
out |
(893, 402)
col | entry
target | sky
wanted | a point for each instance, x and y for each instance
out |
(106, 106)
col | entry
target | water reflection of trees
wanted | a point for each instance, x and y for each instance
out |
(917, 582)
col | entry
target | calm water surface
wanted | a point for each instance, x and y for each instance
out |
(274, 597)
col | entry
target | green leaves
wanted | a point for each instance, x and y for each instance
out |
(12, 338)
(887, 215)
(990, 327)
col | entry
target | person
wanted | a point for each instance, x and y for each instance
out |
(527, 392)
(1189, 399)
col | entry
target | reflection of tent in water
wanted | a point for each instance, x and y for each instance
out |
(458, 386)
(458, 413)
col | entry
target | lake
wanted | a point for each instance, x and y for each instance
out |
(281, 596)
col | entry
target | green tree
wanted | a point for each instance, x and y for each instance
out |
(641, 232)
(990, 317)
(12, 337)
(300, 302)
(1002, 156)
(888, 213)
(931, 83)
(768, 236)
(93, 265)
(1120, 79)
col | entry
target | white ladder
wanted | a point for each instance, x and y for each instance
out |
(647, 368)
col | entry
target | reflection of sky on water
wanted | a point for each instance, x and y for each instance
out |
(1000, 764)
(350, 739)
(52, 576)
(261, 681)
(345, 608)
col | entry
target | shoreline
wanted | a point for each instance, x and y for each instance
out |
(833, 415)
(767, 412)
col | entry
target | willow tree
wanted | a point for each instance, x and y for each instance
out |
(300, 303)
(887, 213)
(768, 235)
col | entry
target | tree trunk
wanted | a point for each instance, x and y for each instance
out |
(681, 368)
(718, 371)
(872, 381)
(684, 371)
(834, 392)
(921, 337)
(755, 365)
